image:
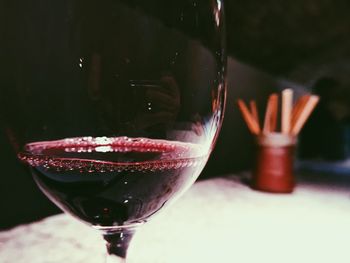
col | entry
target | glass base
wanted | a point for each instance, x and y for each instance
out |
(118, 243)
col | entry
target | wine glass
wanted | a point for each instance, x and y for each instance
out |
(115, 105)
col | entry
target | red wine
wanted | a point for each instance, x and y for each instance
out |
(113, 181)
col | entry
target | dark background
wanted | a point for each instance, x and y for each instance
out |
(272, 44)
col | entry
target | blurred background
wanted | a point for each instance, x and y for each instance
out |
(304, 45)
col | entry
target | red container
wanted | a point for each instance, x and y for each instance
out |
(274, 163)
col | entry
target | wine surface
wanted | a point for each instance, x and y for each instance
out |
(113, 181)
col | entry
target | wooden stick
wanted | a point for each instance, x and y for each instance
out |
(287, 104)
(254, 111)
(297, 109)
(274, 112)
(252, 125)
(270, 113)
(305, 113)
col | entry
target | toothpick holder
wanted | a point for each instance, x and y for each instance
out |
(274, 163)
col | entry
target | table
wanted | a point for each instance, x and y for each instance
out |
(217, 220)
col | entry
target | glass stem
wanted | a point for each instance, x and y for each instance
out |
(117, 245)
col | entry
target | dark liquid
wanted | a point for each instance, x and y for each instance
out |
(113, 181)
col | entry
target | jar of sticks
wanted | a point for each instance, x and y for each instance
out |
(274, 163)
(273, 171)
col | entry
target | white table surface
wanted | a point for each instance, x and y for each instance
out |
(217, 220)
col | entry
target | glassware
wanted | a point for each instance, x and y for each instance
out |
(115, 105)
